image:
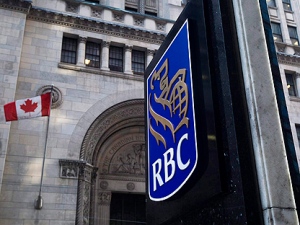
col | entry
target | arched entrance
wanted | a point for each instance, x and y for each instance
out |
(113, 155)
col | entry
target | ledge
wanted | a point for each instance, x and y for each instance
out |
(294, 99)
(98, 71)
(16, 5)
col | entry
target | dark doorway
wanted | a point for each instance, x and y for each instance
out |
(127, 209)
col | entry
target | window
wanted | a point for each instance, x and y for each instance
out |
(271, 3)
(148, 7)
(287, 5)
(276, 30)
(116, 58)
(69, 49)
(291, 84)
(298, 133)
(127, 209)
(138, 62)
(293, 35)
(92, 54)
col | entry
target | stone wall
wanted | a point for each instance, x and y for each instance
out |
(12, 26)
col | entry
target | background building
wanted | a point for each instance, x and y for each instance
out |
(285, 22)
(94, 53)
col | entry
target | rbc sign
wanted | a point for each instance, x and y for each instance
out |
(172, 146)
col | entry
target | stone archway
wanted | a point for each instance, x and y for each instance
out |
(113, 160)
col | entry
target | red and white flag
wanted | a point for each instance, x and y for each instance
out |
(28, 108)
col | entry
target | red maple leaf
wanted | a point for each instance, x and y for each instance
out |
(29, 106)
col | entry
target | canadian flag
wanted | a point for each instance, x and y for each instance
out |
(28, 108)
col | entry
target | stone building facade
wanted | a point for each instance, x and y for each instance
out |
(94, 53)
(285, 22)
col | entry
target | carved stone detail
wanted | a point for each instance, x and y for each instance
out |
(86, 181)
(72, 7)
(82, 39)
(288, 59)
(130, 162)
(128, 48)
(104, 197)
(121, 116)
(119, 17)
(106, 44)
(150, 52)
(107, 119)
(280, 46)
(57, 99)
(160, 26)
(297, 53)
(96, 13)
(92, 25)
(69, 168)
(16, 5)
(130, 186)
(138, 21)
(103, 185)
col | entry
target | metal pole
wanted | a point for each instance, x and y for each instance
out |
(39, 201)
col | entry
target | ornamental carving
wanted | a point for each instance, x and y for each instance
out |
(57, 99)
(111, 117)
(130, 162)
(151, 52)
(104, 198)
(86, 180)
(288, 59)
(96, 13)
(16, 5)
(69, 168)
(69, 171)
(82, 39)
(297, 52)
(130, 186)
(280, 46)
(103, 185)
(160, 26)
(138, 21)
(72, 7)
(119, 17)
(95, 25)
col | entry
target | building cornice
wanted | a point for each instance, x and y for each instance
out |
(16, 5)
(288, 59)
(95, 25)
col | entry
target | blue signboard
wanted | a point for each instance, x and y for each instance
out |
(171, 129)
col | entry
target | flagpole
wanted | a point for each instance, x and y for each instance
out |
(39, 201)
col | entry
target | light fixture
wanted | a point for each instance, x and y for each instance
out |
(87, 61)
(288, 86)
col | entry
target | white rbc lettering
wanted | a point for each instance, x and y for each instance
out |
(169, 162)
(179, 161)
(156, 174)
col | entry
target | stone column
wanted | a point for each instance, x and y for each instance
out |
(275, 184)
(127, 61)
(298, 84)
(85, 182)
(104, 198)
(150, 54)
(81, 51)
(105, 56)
